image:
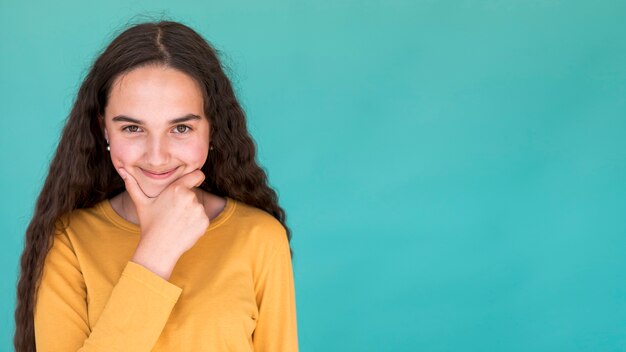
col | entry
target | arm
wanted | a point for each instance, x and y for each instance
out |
(276, 328)
(132, 320)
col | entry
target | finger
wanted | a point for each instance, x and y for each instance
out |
(132, 187)
(190, 180)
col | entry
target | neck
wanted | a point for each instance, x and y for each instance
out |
(129, 211)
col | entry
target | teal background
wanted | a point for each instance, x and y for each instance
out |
(453, 171)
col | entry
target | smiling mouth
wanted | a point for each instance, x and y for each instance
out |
(158, 175)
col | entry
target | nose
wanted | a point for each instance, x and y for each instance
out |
(157, 151)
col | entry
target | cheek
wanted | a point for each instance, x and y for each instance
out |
(196, 154)
(123, 154)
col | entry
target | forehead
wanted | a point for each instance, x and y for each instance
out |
(154, 93)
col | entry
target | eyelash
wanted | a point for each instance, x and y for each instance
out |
(127, 129)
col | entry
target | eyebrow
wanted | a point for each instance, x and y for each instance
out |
(123, 118)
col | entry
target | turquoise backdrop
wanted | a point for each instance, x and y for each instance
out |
(453, 171)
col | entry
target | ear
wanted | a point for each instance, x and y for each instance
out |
(103, 126)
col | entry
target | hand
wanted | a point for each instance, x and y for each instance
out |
(170, 224)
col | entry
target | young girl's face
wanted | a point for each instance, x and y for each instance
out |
(156, 127)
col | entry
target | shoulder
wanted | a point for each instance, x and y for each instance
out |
(260, 226)
(81, 219)
(257, 217)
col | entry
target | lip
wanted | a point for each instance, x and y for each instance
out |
(158, 175)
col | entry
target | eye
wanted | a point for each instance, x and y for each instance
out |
(131, 128)
(182, 129)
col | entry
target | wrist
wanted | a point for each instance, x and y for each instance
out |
(161, 264)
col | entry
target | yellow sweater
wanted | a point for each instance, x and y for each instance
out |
(233, 291)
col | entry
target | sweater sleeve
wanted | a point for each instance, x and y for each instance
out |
(133, 317)
(276, 326)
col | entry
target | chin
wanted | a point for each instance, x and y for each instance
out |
(152, 191)
(153, 194)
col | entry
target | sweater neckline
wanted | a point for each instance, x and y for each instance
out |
(106, 208)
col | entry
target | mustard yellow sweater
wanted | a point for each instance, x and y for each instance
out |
(233, 291)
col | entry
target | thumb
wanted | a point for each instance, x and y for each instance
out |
(132, 187)
(190, 180)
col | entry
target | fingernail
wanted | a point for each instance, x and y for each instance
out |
(122, 173)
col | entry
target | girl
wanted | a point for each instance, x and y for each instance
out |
(156, 230)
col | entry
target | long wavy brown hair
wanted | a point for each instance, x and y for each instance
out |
(81, 173)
